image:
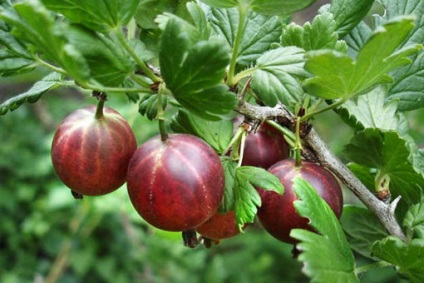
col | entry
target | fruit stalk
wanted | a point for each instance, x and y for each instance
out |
(383, 211)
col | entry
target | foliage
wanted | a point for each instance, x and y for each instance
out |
(192, 65)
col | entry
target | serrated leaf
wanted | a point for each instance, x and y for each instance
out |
(365, 174)
(10, 42)
(194, 70)
(346, 78)
(12, 65)
(33, 94)
(357, 38)
(221, 3)
(338, 264)
(200, 20)
(33, 23)
(371, 111)
(395, 8)
(414, 221)
(108, 63)
(278, 7)
(216, 133)
(260, 178)
(320, 34)
(273, 79)
(348, 13)
(148, 105)
(389, 153)
(408, 86)
(228, 200)
(259, 33)
(100, 15)
(408, 257)
(362, 229)
(246, 197)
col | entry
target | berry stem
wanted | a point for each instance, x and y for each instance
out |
(101, 97)
(239, 36)
(298, 145)
(161, 118)
(288, 135)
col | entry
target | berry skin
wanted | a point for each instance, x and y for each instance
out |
(176, 184)
(219, 226)
(91, 155)
(265, 147)
(277, 213)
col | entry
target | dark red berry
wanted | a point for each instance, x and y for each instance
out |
(265, 147)
(277, 213)
(176, 184)
(91, 155)
(219, 226)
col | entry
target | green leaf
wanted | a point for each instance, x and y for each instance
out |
(338, 264)
(365, 174)
(389, 153)
(320, 34)
(216, 133)
(348, 13)
(414, 221)
(273, 79)
(362, 228)
(338, 76)
(246, 197)
(221, 3)
(11, 64)
(278, 7)
(14, 45)
(36, 25)
(228, 200)
(371, 111)
(259, 33)
(395, 8)
(100, 15)
(357, 38)
(148, 105)
(200, 20)
(408, 257)
(407, 89)
(194, 70)
(33, 94)
(108, 63)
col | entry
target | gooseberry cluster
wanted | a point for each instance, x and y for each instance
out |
(176, 181)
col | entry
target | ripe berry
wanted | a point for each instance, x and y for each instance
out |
(91, 154)
(219, 226)
(265, 147)
(277, 213)
(176, 184)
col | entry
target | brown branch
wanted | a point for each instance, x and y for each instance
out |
(317, 148)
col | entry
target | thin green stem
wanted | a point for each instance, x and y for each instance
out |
(50, 66)
(245, 73)
(289, 136)
(242, 144)
(161, 118)
(298, 145)
(374, 265)
(309, 114)
(239, 36)
(236, 137)
(100, 88)
(149, 73)
(99, 109)
(140, 80)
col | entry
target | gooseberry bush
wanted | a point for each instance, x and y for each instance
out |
(229, 82)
